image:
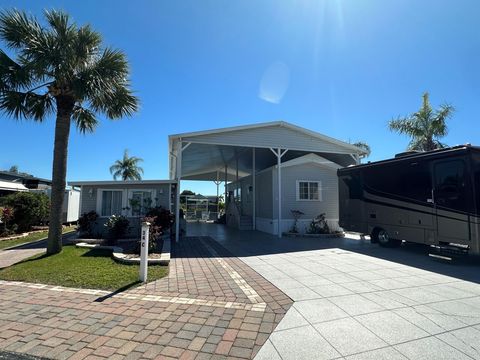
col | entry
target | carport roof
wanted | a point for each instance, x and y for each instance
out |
(209, 152)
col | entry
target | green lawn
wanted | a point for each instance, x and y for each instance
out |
(29, 238)
(81, 268)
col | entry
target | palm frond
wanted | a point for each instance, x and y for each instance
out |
(18, 29)
(84, 119)
(13, 76)
(24, 105)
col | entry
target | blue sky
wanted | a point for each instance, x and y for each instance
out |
(339, 67)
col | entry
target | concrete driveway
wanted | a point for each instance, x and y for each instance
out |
(355, 300)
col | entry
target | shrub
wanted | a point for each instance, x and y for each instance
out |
(28, 209)
(319, 225)
(86, 223)
(118, 226)
(296, 215)
(155, 235)
(160, 217)
(6, 216)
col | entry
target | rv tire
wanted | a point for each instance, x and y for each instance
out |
(382, 237)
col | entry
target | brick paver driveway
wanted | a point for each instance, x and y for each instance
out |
(212, 305)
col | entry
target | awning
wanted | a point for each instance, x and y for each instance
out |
(12, 186)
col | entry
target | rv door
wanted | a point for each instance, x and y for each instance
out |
(451, 200)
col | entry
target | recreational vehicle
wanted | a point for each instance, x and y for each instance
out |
(429, 197)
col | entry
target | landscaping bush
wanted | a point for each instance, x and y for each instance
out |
(296, 214)
(118, 226)
(319, 225)
(160, 220)
(6, 216)
(86, 223)
(161, 217)
(28, 209)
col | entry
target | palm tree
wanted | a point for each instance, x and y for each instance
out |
(127, 168)
(365, 147)
(425, 127)
(60, 68)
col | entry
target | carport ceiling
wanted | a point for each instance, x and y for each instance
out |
(209, 152)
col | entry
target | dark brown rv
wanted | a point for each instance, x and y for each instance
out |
(430, 197)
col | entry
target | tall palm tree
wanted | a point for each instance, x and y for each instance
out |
(127, 168)
(60, 68)
(424, 127)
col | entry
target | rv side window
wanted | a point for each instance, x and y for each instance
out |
(450, 185)
(410, 180)
(476, 167)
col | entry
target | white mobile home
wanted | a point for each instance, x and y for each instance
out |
(272, 168)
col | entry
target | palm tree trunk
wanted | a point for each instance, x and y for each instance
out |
(59, 173)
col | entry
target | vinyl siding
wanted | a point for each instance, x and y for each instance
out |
(89, 202)
(263, 192)
(272, 136)
(89, 194)
(309, 172)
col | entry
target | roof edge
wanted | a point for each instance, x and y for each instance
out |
(116, 182)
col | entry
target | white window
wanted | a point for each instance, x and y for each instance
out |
(309, 190)
(111, 202)
(140, 202)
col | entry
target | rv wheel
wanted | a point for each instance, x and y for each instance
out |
(381, 236)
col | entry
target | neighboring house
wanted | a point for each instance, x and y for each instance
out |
(309, 184)
(71, 204)
(8, 187)
(200, 207)
(128, 198)
(11, 182)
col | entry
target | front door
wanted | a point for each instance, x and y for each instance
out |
(451, 200)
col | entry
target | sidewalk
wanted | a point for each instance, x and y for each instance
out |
(12, 256)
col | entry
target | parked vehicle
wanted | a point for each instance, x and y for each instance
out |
(430, 197)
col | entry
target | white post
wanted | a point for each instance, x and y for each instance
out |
(180, 150)
(144, 251)
(278, 153)
(217, 182)
(279, 173)
(236, 181)
(226, 190)
(254, 212)
(178, 176)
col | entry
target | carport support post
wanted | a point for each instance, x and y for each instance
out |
(279, 154)
(216, 182)
(254, 210)
(178, 176)
(226, 190)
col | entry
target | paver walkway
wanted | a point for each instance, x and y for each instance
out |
(211, 305)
